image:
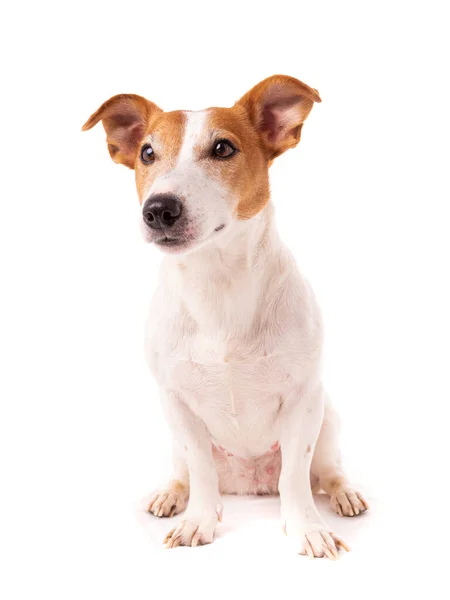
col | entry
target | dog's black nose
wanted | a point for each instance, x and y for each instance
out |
(161, 211)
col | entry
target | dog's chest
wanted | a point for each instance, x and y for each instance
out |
(234, 355)
(237, 393)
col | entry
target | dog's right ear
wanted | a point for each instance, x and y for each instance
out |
(125, 118)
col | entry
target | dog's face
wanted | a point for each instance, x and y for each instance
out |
(197, 173)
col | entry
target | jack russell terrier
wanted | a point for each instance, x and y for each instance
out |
(234, 334)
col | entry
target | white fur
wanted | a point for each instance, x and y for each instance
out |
(196, 122)
(234, 339)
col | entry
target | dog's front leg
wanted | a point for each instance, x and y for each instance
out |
(195, 445)
(301, 420)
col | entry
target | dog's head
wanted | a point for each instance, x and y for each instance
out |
(197, 173)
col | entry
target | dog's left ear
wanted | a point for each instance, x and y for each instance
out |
(277, 108)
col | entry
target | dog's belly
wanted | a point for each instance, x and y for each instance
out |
(248, 475)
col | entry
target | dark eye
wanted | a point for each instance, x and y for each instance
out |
(147, 154)
(223, 149)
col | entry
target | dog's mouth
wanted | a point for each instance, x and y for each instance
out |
(170, 241)
(173, 243)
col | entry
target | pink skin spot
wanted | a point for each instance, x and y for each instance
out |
(275, 447)
(270, 470)
(230, 454)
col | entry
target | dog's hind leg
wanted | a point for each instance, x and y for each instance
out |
(326, 467)
(173, 498)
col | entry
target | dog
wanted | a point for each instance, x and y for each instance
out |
(234, 335)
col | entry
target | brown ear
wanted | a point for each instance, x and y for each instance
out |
(277, 108)
(125, 118)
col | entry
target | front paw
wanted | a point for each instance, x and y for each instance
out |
(193, 531)
(315, 541)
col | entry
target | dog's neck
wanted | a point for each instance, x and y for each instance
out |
(223, 284)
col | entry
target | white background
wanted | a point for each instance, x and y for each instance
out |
(363, 203)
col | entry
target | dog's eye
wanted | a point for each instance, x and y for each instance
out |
(147, 154)
(223, 149)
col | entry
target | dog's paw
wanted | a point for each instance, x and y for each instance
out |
(169, 502)
(348, 503)
(316, 541)
(192, 531)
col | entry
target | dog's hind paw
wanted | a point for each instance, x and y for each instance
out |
(348, 502)
(171, 501)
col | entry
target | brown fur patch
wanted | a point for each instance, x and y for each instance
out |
(246, 173)
(177, 486)
(333, 485)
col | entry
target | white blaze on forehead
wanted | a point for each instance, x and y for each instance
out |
(195, 125)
